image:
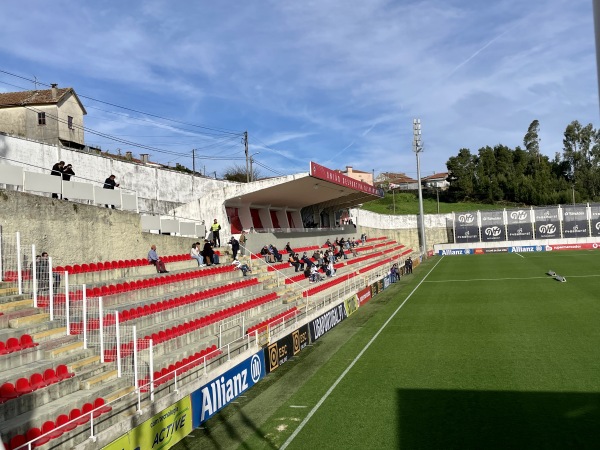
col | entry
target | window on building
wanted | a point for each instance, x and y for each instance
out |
(42, 118)
(70, 122)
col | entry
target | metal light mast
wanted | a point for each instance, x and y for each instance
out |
(418, 148)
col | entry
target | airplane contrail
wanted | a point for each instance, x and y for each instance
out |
(478, 52)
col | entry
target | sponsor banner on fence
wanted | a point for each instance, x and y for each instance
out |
(520, 232)
(326, 321)
(547, 223)
(456, 251)
(279, 352)
(364, 295)
(482, 251)
(518, 216)
(582, 246)
(466, 228)
(163, 430)
(213, 396)
(377, 287)
(351, 304)
(595, 220)
(527, 248)
(575, 223)
(492, 226)
(386, 282)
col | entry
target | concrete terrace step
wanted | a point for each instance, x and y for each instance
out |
(8, 291)
(63, 350)
(15, 303)
(49, 334)
(101, 378)
(28, 320)
(82, 364)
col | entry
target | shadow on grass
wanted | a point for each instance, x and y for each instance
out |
(448, 419)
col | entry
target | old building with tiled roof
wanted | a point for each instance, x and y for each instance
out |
(53, 116)
(365, 177)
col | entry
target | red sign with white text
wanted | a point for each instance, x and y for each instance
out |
(582, 246)
(364, 296)
(323, 173)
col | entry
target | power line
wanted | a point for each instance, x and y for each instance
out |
(223, 131)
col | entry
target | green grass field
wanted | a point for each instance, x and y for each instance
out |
(469, 352)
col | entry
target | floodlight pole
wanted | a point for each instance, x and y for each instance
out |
(418, 148)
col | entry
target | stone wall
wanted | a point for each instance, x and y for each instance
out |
(76, 233)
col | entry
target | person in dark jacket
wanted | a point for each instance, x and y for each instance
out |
(207, 252)
(235, 246)
(110, 183)
(67, 173)
(57, 171)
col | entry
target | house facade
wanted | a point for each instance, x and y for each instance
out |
(53, 116)
(365, 177)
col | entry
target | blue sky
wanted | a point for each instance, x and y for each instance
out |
(336, 82)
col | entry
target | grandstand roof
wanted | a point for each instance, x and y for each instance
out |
(305, 190)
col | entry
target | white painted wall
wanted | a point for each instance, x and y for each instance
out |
(159, 190)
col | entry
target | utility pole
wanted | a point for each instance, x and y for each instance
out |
(246, 150)
(194, 161)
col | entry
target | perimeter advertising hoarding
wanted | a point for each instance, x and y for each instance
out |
(376, 288)
(582, 246)
(325, 174)
(279, 352)
(364, 295)
(326, 321)
(492, 226)
(456, 251)
(215, 395)
(351, 304)
(161, 431)
(547, 223)
(482, 251)
(575, 223)
(465, 227)
(519, 227)
(527, 248)
(595, 220)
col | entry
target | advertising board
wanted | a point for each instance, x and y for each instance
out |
(465, 227)
(595, 220)
(218, 393)
(492, 226)
(163, 430)
(279, 352)
(364, 295)
(575, 223)
(455, 251)
(326, 321)
(582, 246)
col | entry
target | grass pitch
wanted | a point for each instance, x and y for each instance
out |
(477, 352)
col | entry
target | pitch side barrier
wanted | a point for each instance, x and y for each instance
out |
(172, 424)
(481, 248)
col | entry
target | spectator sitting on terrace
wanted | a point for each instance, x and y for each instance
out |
(293, 260)
(363, 237)
(306, 260)
(276, 255)
(289, 249)
(207, 252)
(328, 243)
(156, 261)
(269, 258)
(315, 276)
(243, 267)
(318, 257)
(195, 254)
(235, 246)
(215, 255)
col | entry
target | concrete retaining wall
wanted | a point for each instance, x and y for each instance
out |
(75, 233)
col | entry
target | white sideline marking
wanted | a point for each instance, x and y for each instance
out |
(518, 254)
(298, 406)
(341, 377)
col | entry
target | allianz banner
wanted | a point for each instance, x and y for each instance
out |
(519, 226)
(279, 352)
(218, 393)
(466, 228)
(547, 223)
(492, 226)
(595, 220)
(326, 321)
(575, 223)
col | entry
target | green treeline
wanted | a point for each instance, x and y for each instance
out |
(524, 175)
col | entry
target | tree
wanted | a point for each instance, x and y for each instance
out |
(238, 173)
(461, 169)
(531, 141)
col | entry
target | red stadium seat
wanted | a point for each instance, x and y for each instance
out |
(59, 426)
(36, 381)
(17, 441)
(50, 376)
(34, 433)
(86, 409)
(22, 386)
(74, 416)
(3, 349)
(62, 372)
(27, 341)
(100, 403)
